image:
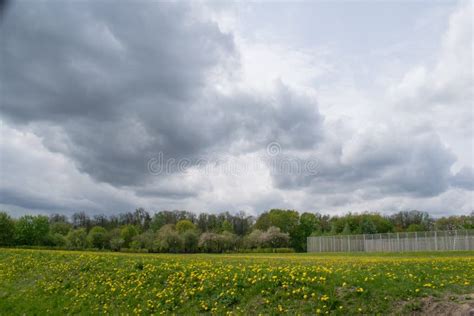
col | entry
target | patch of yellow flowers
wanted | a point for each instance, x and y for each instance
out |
(109, 283)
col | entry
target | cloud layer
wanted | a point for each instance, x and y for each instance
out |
(91, 91)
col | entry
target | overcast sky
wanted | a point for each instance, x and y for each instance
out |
(315, 106)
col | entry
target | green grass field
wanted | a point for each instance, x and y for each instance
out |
(63, 282)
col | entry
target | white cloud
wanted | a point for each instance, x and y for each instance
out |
(442, 96)
(34, 178)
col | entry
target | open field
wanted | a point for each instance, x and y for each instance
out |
(59, 282)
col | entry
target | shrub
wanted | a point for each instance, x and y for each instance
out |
(184, 225)
(227, 241)
(62, 228)
(191, 241)
(135, 245)
(267, 250)
(212, 242)
(209, 242)
(55, 240)
(133, 250)
(144, 240)
(274, 238)
(116, 243)
(253, 240)
(127, 233)
(77, 239)
(169, 240)
(98, 238)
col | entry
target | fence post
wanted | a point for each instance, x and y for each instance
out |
(436, 240)
(455, 238)
(398, 242)
(380, 243)
(416, 241)
(466, 246)
(391, 238)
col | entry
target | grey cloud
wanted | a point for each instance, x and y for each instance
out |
(94, 59)
(111, 86)
(380, 164)
(286, 117)
(115, 80)
(28, 201)
(166, 193)
(34, 178)
(464, 179)
(417, 165)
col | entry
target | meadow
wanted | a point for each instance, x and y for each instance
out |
(73, 282)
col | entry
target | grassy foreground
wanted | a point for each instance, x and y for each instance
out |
(62, 282)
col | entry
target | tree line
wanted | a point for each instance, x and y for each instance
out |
(186, 232)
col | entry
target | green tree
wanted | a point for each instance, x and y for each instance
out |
(127, 233)
(227, 241)
(169, 240)
(415, 228)
(115, 239)
(184, 225)
(7, 229)
(333, 230)
(77, 239)
(210, 242)
(31, 230)
(98, 238)
(274, 238)
(402, 220)
(286, 220)
(382, 224)
(368, 227)
(242, 223)
(307, 225)
(145, 240)
(62, 228)
(347, 229)
(56, 239)
(191, 241)
(227, 226)
(165, 217)
(142, 219)
(254, 239)
(263, 222)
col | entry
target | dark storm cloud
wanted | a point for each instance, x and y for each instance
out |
(96, 60)
(117, 80)
(3, 8)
